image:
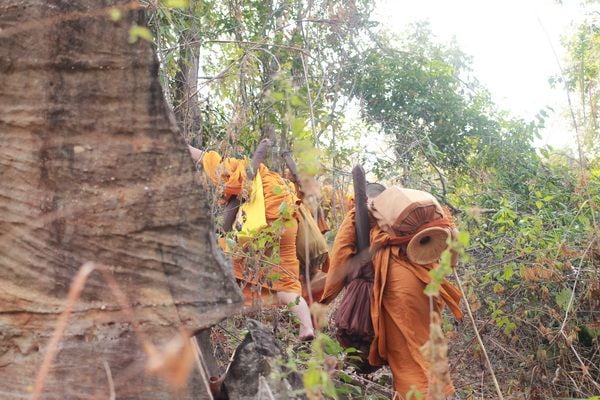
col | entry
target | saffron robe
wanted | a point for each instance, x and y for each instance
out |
(399, 308)
(231, 173)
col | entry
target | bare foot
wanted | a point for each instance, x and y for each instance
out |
(306, 334)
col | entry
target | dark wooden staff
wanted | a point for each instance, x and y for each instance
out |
(353, 316)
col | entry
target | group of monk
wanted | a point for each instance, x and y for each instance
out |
(400, 311)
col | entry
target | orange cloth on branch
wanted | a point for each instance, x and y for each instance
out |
(231, 173)
(399, 308)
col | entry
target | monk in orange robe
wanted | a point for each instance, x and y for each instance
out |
(400, 311)
(231, 173)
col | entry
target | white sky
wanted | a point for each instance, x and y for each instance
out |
(512, 56)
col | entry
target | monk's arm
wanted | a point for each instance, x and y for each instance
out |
(344, 247)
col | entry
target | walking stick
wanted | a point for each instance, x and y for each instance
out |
(353, 316)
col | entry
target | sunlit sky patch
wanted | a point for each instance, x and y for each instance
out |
(511, 43)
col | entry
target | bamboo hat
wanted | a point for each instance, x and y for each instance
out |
(428, 245)
(400, 211)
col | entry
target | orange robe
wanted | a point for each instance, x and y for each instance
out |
(399, 308)
(344, 247)
(231, 173)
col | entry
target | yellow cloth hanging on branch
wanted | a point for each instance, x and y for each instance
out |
(252, 214)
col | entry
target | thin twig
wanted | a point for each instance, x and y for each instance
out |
(562, 74)
(487, 359)
(371, 384)
(310, 102)
(111, 385)
(579, 268)
(584, 368)
(77, 286)
(74, 292)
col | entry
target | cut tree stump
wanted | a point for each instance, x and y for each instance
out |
(92, 168)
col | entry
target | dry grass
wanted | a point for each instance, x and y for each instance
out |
(173, 363)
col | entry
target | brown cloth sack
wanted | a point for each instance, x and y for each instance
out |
(353, 315)
(310, 238)
(401, 211)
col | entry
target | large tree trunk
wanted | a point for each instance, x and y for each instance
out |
(93, 169)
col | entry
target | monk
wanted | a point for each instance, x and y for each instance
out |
(400, 311)
(231, 173)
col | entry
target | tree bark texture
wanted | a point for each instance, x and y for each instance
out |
(92, 169)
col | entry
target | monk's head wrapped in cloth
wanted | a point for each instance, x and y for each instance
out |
(413, 219)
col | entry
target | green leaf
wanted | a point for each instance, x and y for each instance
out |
(312, 378)
(230, 243)
(296, 101)
(464, 238)
(508, 272)
(298, 126)
(345, 377)
(176, 3)
(277, 96)
(283, 208)
(584, 220)
(274, 276)
(563, 298)
(328, 386)
(432, 289)
(414, 394)
(332, 347)
(137, 31)
(115, 14)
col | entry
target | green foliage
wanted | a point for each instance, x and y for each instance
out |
(176, 3)
(137, 32)
(414, 89)
(258, 71)
(563, 298)
(581, 77)
(321, 369)
(414, 394)
(115, 14)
